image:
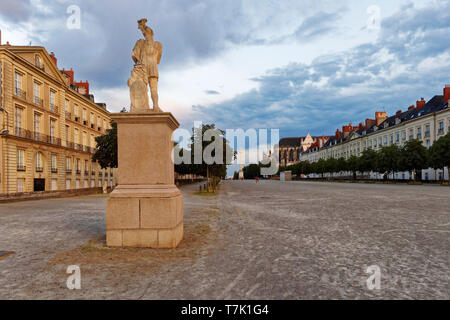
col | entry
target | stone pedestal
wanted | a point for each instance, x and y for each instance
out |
(146, 208)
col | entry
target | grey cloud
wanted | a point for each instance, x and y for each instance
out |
(212, 92)
(359, 81)
(190, 31)
(15, 10)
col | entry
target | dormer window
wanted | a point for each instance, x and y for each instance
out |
(386, 125)
(397, 120)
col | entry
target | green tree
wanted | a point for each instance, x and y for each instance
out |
(414, 157)
(218, 170)
(353, 165)
(368, 161)
(389, 160)
(341, 164)
(321, 167)
(440, 153)
(251, 171)
(331, 166)
(306, 167)
(106, 153)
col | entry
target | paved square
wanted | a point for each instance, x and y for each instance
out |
(270, 240)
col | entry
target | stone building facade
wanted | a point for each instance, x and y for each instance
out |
(290, 149)
(48, 125)
(426, 121)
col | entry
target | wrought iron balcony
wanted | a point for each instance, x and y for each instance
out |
(20, 93)
(100, 174)
(21, 167)
(54, 170)
(54, 108)
(39, 169)
(78, 171)
(38, 101)
(86, 172)
(69, 171)
(77, 119)
(68, 115)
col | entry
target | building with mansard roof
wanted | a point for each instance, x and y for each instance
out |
(48, 125)
(426, 121)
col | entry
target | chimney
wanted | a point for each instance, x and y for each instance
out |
(369, 123)
(52, 55)
(399, 112)
(446, 93)
(380, 117)
(360, 126)
(70, 74)
(411, 107)
(420, 103)
(338, 134)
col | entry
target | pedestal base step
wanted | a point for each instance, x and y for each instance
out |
(145, 238)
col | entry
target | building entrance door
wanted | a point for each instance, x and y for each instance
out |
(39, 184)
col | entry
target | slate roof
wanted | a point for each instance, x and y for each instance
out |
(435, 104)
(291, 142)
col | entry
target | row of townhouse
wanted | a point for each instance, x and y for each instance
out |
(48, 125)
(426, 121)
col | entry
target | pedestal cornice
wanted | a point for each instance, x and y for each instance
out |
(146, 117)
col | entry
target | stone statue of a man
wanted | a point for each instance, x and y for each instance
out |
(146, 56)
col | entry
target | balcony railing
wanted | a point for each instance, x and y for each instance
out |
(68, 115)
(54, 170)
(77, 119)
(78, 171)
(20, 93)
(39, 169)
(92, 126)
(85, 122)
(427, 134)
(100, 174)
(86, 172)
(93, 172)
(36, 136)
(21, 167)
(38, 101)
(99, 129)
(54, 108)
(69, 171)
(441, 131)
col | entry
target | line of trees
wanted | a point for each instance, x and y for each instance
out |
(412, 157)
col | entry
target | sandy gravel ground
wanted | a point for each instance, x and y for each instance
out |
(271, 240)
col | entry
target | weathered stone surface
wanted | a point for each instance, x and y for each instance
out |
(161, 213)
(140, 238)
(114, 238)
(122, 213)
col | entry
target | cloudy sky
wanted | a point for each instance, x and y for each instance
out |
(300, 66)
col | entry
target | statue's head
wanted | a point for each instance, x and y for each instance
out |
(146, 31)
(142, 24)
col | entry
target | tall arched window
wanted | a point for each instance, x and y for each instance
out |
(291, 155)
